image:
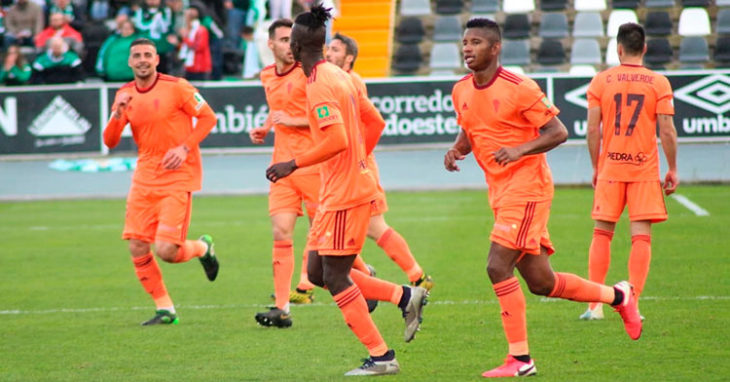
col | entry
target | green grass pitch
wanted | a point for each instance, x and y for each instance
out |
(70, 304)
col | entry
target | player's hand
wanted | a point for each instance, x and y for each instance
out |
(450, 159)
(280, 170)
(120, 104)
(507, 155)
(258, 135)
(175, 157)
(281, 118)
(671, 181)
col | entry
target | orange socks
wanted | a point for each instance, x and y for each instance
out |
(283, 264)
(376, 289)
(599, 257)
(304, 283)
(148, 273)
(396, 247)
(190, 249)
(571, 287)
(514, 322)
(355, 311)
(639, 260)
(360, 265)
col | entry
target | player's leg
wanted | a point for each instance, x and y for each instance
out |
(640, 255)
(349, 299)
(171, 244)
(608, 204)
(395, 246)
(308, 189)
(139, 228)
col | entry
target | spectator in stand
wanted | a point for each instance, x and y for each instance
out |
(211, 21)
(236, 13)
(23, 21)
(111, 63)
(280, 9)
(154, 21)
(15, 70)
(68, 9)
(58, 65)
(195, 48)
(58, 26)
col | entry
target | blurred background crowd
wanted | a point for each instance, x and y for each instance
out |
(67, 41)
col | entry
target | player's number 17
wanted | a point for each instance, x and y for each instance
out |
(630, 99)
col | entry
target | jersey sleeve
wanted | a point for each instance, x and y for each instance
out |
(192, 101)
(664, 97)
(536, 107)
(455, 102)
(325, 110)
(593, 95)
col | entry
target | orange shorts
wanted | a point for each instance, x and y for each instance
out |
(523, 226)
(154, 214)
(340, 233)
(379, 206)
(644, 199)
(287, 195)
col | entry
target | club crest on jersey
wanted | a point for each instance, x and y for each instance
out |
(546, 102)
(323, 112)
(200, 101)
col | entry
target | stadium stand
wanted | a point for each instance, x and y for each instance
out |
(693, 52)
(611, 54)
(449, 7)
(589, 5)
(447, 28)
(516, 26)
(551, 53)
(515, 52)
(370, 23)
(585, 51)
(553, 25)
(588, 24)
(694, 22)
(410, 31)
(518, 6)
(553, 5)
(630, 4)
(407, 59)
(618, 17)
(722, 52)
(658, 53)
(658, 23)
(415, 7)
(445, 56)
(484, 7)
(659, 3)
(723, 22)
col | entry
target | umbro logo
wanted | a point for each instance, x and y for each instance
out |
(711, 93)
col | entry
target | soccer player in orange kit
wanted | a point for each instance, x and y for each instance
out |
(624, 105)
(340, 226)
(509, 123)
(284, 83)
(160, 109)
(342, 51)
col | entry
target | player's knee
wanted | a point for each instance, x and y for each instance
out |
(166, 251)
(282, 233)
(138, 248)
(315, 278)
(540, 288)
(336, 282)
(497, 273)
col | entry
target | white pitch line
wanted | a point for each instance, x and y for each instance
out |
(9, 312)
(692, 206)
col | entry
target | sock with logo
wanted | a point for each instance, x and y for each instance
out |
(571, 287)
(190, 249)
(355, 311)
(396, 247)
(304, 284)
(149, 275)
(283, 266)
(373, 288)
(514, 322)
(639, 260)
(599, 258)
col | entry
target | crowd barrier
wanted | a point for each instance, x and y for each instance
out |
(418, 110)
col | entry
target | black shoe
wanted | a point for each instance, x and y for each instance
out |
(274, 317)
(209, 260)
(162, 317)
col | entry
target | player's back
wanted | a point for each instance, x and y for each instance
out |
(160, 122)
(332, 98)
(287, 92)
(506, 112)
(630, 97)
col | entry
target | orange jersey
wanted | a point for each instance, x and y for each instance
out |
(365, 122)
(507, 112)
(161, 118)
(333, 99)
(287, 92)
(630, 97)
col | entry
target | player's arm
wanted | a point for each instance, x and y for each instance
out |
(373, 124)
(458, 151)
(334, 142)
(593, 138)
(258, 134)
(280, 117)
(668, 138)
(206, 120)
(117, 121)
(553, 134)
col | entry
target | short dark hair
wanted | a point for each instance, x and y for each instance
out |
(350, 45)
(286, 23)
(143, 41)
(632, 37)
(490, 25)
